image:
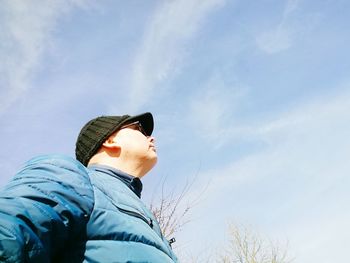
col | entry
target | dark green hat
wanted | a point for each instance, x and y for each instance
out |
(96, 132)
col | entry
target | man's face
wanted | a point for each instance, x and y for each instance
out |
(136, 146)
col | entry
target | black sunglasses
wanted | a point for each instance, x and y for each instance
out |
(137, 125)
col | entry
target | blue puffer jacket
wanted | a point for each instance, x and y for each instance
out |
(57, 210)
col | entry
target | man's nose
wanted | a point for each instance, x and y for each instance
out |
(151, 138)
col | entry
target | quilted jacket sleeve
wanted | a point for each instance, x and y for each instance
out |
(43, 208)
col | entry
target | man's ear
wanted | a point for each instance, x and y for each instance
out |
(110, 143)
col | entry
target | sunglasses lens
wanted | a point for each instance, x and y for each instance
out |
(136, 125)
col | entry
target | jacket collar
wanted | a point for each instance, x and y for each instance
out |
(132, 182)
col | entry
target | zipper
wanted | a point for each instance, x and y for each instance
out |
(128, 212)
(132, 213)
(171, 241)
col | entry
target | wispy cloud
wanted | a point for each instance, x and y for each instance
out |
(26, 29)
(163, 47)
(295, 180)
(283, 35)
(213, 107)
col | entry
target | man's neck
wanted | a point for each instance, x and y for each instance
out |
(126, 167)
(132, 182)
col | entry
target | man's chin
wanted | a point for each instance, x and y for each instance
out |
(153, 161)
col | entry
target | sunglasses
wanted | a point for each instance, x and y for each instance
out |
(136, 126)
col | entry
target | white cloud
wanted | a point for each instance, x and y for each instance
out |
(275, 40)
(320, 239)
(314, 128)
(281, 37)
(162, 51)
(212, 108)
(294, 186)
(291, 26)
(290, 7)
(26, 29)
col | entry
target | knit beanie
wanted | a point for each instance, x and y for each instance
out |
(96, 132)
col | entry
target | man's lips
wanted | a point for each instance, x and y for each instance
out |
(153, 147)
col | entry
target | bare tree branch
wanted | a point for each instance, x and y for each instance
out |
(169, 210)
(246, 246)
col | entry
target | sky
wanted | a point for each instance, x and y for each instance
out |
(251, 102)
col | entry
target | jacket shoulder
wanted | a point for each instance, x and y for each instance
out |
(58, 160)
(43, 208)
(55, 167)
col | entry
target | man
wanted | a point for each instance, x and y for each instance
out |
(57, 209)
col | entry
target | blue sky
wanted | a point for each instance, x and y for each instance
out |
(250, 98)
